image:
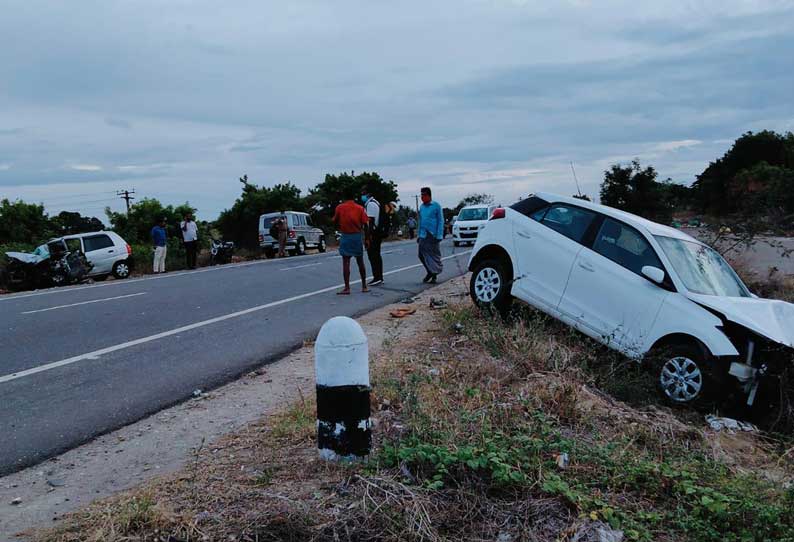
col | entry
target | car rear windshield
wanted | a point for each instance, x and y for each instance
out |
(267, 222)
(529, 205)
(702, 269)
(474, 214)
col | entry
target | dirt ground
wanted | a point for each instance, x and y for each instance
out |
(169, 440)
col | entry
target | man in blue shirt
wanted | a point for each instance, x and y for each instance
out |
(159, 242)
(431, 232)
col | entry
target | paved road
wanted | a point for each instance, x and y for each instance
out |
(77, 362)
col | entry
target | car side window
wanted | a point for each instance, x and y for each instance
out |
(73, 245)
(309, 221)
(97, 242)
(625, 246)
(572, 222)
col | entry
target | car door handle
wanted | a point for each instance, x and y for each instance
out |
(111, 251)
(524, 234)
(586, 266)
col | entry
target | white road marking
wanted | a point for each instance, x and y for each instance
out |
(300, 266)
(84, 303)
(143, 340)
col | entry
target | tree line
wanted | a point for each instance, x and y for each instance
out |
(751, 184)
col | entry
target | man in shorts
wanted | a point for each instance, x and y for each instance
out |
(352, 221)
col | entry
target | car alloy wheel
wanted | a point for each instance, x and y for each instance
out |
(487, 285)
(122, 270)
(681, 379)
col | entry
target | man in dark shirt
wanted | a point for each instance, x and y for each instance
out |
(159, 238)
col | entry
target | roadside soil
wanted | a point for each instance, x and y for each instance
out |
(175, 438)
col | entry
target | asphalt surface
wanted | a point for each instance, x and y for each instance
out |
(80, 361)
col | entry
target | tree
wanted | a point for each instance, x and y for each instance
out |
(22, 222)
(69, 223)
(324, 198)
(136, 226)
(240, 223)
(474, 199)
(711, 187)
(635, 190)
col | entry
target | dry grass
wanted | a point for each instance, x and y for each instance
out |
(474, 382)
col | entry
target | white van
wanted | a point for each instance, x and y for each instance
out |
(470, 220)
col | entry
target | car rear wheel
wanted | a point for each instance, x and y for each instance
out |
(321, 246)
(489, 286)
(270, 253)
(300, 247)
(121, 270)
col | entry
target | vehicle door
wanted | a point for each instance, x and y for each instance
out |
(607, 296)
(312, 233)
(547, 243)
(100, 250)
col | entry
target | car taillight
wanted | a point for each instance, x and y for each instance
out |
(129, 249)
(292, 234)
(499, 212)
(261, 237)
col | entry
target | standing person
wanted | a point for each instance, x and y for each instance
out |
(159, 237)
(283, 231)
(351, 219)
(431, 232)
(190, 239)
(411, 227)
(375, 236)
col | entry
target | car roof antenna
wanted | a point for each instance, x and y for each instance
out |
(576, 180)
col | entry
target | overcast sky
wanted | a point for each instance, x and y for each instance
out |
(179, 98)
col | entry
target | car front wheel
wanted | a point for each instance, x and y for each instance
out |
(489, 286)
(684, 375)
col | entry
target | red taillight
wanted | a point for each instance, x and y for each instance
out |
(261, 237)
(292, 234)
(499, 212)
(129, 249)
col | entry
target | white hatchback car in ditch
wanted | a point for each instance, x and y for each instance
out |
(638, 287)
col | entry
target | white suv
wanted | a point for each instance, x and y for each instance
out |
(638, 287)
(470, 221)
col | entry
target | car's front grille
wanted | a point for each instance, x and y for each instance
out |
(467, 235)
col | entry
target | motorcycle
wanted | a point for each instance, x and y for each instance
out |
(50, 264)
(221, 251)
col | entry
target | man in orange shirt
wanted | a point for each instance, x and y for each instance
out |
(351, 219)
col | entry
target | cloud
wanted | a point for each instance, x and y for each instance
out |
(502, 100)
(5, 167)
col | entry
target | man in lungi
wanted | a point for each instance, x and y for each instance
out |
(351, 220)
(431, 232)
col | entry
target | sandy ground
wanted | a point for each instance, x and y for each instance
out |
(166, 441)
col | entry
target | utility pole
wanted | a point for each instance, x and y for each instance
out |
(417, 205)
(126, 196)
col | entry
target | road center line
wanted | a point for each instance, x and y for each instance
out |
(300, 266)
(143, 340)
(84, 303)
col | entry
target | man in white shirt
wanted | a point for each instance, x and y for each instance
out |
(372, 207)
(190, 239)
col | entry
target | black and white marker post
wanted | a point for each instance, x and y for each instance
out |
(342, 369)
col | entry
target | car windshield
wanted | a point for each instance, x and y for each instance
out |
(42, 251)
(702, 269)
(474, 214)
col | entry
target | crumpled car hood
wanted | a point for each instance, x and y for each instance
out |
(772, 318)
(24, 257)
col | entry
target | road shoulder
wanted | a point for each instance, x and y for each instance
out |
(168, 440)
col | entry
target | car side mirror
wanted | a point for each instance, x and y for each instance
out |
(653, 273)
